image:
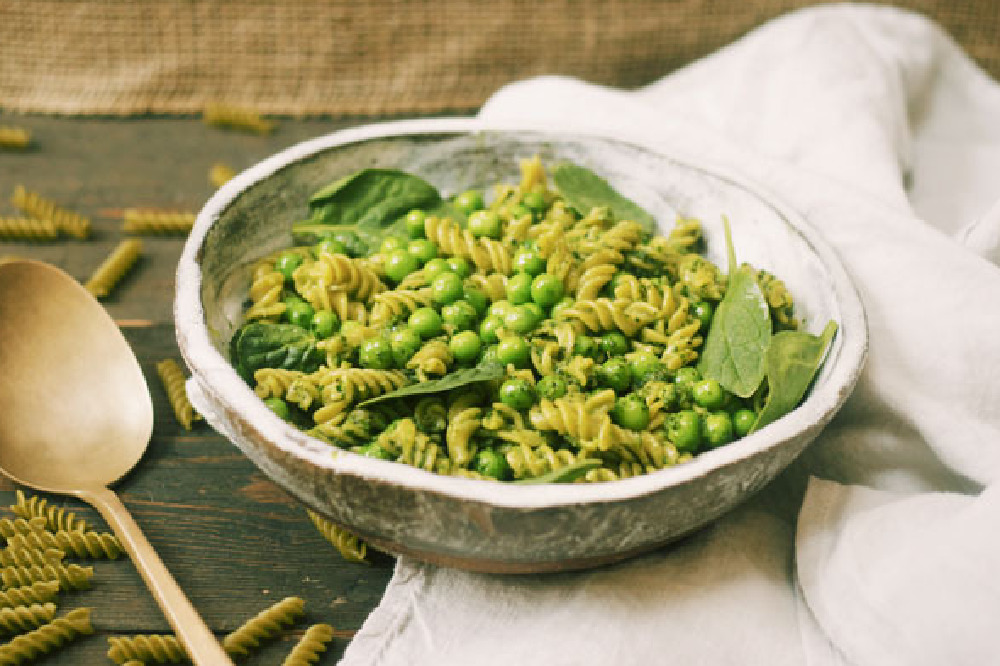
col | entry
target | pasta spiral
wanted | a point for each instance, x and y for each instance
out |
(80, 544)
(24, 228)
(397, 303)
(47, 638)
(36, 593)
(338, 272)
(172, 378)
(312, 644)
(350, 547)
(121, 260)
(19, 619)
(13, 556)
(265, 625)
(10, 528)
(604, 314)
(69, 576)
(220, 114)
(15, 138)
(156, 648)
(36, 206)
(140, 221)
(488, 255)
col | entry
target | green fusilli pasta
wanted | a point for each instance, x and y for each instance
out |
(47, 638)
(140, 221)
(56, 518)
(230, 116)
(121, 260)
(19, 556)
(36, 593)
(69, 576)
(78, 544)
(146, 648)
(38, 207)
(28, 229)
(172, 378)
(309, 648)
(14, 138)
(220, 174)
(347, 543)
(266, 625)
(20, 619)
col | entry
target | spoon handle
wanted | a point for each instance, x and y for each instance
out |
(199, 641)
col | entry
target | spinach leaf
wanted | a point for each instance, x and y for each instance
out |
(583, 189)
(741, 331)
(565, 474)
(263, 345)
(792, 361)
(372, 198)
(451, 381)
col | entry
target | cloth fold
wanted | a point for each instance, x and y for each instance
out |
(876, 546)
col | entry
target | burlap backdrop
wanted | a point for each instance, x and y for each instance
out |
(338, 57)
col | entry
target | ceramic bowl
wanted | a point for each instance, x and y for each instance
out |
(480, 525)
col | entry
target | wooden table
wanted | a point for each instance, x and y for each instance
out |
(235, 541)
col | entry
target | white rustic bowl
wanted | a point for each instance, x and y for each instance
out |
(481, 525)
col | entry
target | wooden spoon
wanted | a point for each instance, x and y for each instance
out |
(76, 416)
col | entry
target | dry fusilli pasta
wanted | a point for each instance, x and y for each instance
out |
(36, 206)
(172, 378)
(121, 260)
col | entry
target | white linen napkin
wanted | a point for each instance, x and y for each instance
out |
(878, 546)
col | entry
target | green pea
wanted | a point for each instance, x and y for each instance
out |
(324, 323)
(528, 260)
(376, 354)
(329, 246)
(353, 246)
(616, 374)
(743, 420)
(287, 262)
(708, 393)
(425, 321)
(535, 201)
(485, 223)
(376, 450)
(515, 350)
(684, 430)
(459, 314)
(400, 263)
(585, 346)
(703, 311)
(536, 311)
(405, 342)
(414, 223)
(547, 290)
(423, 249)
(717, 428)
(391, 243)
(559, 308)
(300, 313)
(519, 288)
(492, 463)
(435, 267)
(517, 393)
(469, 201)
(465, 346)
(500, 309)
(279, 407)
(460, 266)
(645, 364)
(446, 288)
(614, 344)
(292, 299)
(631, 412)
(488, 329)
(687, 375)
(520, 320)
(551, 387)
(477, 299)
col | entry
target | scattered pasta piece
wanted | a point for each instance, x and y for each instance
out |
(18, 556)
(56, 518)
(34, 205)
(264, 626)
(26, 228)
(14, 138)
(220, 174)
(47, 638)
(11, 527)
(172, 378)
(78, 544)
(69, 576)
(350, 546)
(310, 646)
(41, 592)
(142, 221)
(235, 117)
(115, 266)
(20, 619)
(155, 648)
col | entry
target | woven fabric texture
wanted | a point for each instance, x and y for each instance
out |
(314, 57)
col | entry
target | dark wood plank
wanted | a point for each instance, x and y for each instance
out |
(234, 540)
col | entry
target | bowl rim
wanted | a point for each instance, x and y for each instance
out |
(219, 380)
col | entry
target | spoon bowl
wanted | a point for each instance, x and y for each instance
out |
(76, 416)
